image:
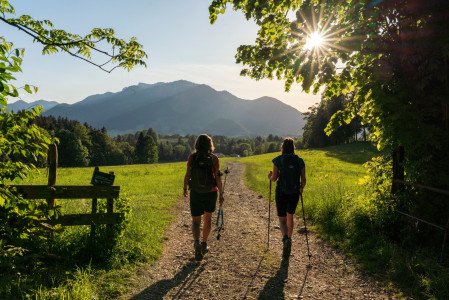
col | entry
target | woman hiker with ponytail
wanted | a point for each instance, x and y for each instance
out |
(290, 172)
(202, 177)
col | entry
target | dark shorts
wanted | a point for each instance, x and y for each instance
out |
(286, 203)
(202, 202)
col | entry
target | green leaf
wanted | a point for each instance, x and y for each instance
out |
(27, 88)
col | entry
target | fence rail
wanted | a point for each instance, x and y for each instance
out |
(421, 186)
(433, 189)
(76, 192)
(67, 191)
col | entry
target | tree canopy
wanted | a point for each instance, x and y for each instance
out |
(393, 54)
(123, 54)
(23, 144)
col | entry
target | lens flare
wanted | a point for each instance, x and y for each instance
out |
(313, 40)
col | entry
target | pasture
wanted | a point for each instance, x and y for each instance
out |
(335, 202)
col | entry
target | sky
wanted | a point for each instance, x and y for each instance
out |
(176, 34)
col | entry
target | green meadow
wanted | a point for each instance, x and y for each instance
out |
(336, 205)
(340, 208)
(152, 190)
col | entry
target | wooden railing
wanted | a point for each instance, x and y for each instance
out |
(76, 192)
(444, 228)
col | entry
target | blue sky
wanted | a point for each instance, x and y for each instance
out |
(176, 34)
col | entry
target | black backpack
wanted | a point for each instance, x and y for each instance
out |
(201, 173)
(290, 174)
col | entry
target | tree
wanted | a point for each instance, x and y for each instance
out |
(71, 152)
(124, 54)
(392, 54)
(273, 147)
(151, 132)
(318, 117)
(20, 220)
(146, 150)
(397, 63)
(17, 217)
(245, 149)
(179, 152)
(165, 151)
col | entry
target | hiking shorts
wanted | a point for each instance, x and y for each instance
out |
(202, 202)
(286, 203)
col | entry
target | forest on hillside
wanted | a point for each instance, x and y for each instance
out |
(81, 145)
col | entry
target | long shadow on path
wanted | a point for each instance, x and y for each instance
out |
(274, 288)
(184, 279)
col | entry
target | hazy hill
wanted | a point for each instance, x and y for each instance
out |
(186, 108)
(21, 105)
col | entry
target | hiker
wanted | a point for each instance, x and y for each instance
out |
(290, 172)
(202, 178)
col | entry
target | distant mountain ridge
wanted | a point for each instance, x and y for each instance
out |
(183, 107)
(21, 105)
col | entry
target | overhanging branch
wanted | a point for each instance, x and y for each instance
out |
(63, 46)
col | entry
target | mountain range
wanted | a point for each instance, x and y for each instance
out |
(21, 105)
(182, 107)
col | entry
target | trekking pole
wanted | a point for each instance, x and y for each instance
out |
(305, 227)
(220, 227)
(226, 171)
(269, 217)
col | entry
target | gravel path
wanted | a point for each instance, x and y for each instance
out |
(239, 266)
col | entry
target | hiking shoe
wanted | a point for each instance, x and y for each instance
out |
(204, 248)
(287, 248)
(198, 252)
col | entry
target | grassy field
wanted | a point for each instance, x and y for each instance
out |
(343, 212)
(335, 203)
(335, 168)
(153, 190)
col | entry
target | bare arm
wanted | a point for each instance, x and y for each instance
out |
(273, 175)
(303, 179)
(186, 182)
(220, 185)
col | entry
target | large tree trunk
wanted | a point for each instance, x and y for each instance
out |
(398, 169)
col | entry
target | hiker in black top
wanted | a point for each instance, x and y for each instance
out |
(290, 172)
(203, 190)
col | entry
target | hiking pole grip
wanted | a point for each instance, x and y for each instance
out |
(305, 227)
(269, 217)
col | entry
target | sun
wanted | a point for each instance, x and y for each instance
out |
(314, 40)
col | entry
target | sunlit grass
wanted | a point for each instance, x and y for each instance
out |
(331, 200)
(341, 212)
(153, 189)
(335, 167)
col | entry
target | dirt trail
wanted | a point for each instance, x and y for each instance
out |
(238, 265)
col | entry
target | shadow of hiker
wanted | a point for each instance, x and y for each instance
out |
(274, 288)
(254, 275)
(304, 282)
(184, 278)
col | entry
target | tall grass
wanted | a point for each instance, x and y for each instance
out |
(329, 178)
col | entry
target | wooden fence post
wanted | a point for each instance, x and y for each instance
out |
(398, 169)
(94, 211)
(110, 210)
(52, 164)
